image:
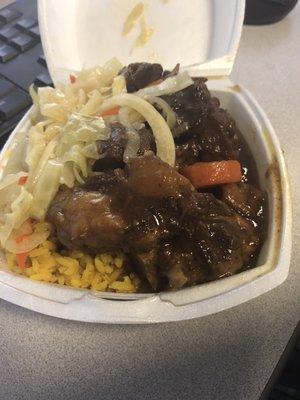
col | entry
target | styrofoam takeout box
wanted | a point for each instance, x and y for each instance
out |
(203, 37)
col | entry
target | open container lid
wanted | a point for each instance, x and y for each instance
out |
(201, 35)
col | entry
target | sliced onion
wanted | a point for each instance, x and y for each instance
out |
(124, 116)
(27, 244)
(163, 136)
(167, 111)
(26, 228)
(129, 117)
(132, 145)
(169, 85)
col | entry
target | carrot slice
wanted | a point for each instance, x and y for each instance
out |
(22, 180)
(72, 78)
(205, 174)
(111, 111)
(21, 259)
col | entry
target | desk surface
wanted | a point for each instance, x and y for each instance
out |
(227, 356)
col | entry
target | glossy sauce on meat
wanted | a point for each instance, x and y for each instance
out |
(173, 235)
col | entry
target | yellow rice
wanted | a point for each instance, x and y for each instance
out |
(104, 272)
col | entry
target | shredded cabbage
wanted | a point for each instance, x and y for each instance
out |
(94, 102)
(11, 179)
(19, 213)
(45, 189)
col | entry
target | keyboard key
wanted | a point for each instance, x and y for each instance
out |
(23, 42)
(25, 24)
(7, 126)
(35, 32)
(7, 34)
(7, 53)
(13, 103)
(8, 15)
(5, 87)
(42, 60)
(43, 79)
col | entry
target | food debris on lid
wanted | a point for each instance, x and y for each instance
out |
(132, 18)
(137, 14)
(145, 33)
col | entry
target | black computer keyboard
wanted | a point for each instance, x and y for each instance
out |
(21, 62)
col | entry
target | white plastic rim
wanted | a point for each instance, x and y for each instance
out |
(273, 263)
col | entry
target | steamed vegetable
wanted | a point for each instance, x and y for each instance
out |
(205, 174)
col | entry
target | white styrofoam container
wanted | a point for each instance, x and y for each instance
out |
(204, 38)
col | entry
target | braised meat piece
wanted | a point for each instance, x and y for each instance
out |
(100, 212)
(151, 222)
(150, 177)
(147, 141)
(191, 106)
(84, 216)
(139, 75)
(147, 267)
(204, 131)
(181, 265)
(175, 236)
(246, 200)
(112, 149)
(174, 72)
(219, 140)
(225, 240)
(188, 152)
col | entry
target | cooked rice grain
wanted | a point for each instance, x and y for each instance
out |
(104, 272)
